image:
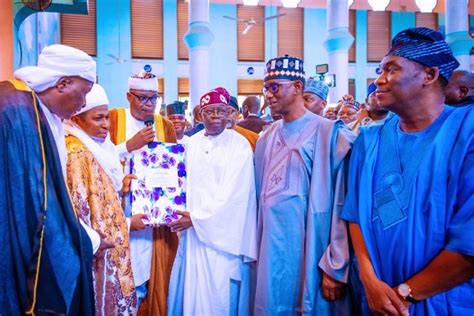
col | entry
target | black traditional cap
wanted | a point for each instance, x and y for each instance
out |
(285, 67)
(234, 103)
(426, 47)
(176, 107)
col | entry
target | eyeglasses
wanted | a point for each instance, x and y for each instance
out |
(145, 99)
(215, 111)
(274, 87)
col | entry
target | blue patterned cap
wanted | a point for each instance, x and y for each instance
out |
(371, 88)
(348, 100)
(426, 47)
(317, 87)
(285, 67)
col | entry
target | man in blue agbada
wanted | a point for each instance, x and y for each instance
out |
(304, 255)
(45, 255)
(411, 196)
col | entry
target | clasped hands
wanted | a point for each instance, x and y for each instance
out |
(136, 222)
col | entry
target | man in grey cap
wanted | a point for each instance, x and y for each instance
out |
(315, 95)
(410, 203)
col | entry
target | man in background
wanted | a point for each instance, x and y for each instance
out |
(233, 117)
(175, 112)
(315, 95)
(371, 113)
(198, 125)
(251, 121)
(460, 89)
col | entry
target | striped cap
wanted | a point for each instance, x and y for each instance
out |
(285, 67)
(427, 47)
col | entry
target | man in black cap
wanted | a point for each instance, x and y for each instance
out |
(460, 89)
(410, 201)
(175, 112)
(299, 162)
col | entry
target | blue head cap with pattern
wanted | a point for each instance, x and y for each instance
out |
(285, 67)
(427, 47)
(317, 87)
(371, 89)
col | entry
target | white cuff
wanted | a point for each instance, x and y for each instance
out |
(93, 236)
(122, 150)
(129, 221)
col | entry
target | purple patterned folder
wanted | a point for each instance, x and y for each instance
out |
(160, 189)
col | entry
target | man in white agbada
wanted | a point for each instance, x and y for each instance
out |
(211, 271)
(46, 255)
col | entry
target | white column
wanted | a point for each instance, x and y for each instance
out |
(457, 31)
(337, 44)
(198, 39)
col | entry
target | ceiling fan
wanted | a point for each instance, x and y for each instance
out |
(249, 23)
(116, 59)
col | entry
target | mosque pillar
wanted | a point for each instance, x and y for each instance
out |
(6, 48)
(457, 31)
(337, 43)
(198, 39)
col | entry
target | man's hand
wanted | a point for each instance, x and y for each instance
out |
(383, 300)
(136, 222)
(332, 288)
(362, 113)
(104, 244)
(126, 182)
(141, 138)
(181, 224)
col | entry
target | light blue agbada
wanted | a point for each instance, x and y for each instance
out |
(300, 185)
(412, 195)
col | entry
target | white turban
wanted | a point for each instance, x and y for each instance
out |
(54, 62)
(96, 97)
(143, 81)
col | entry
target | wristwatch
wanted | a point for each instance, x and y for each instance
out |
(404, 291)
(366, 121)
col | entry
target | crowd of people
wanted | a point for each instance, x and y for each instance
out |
(354, 209)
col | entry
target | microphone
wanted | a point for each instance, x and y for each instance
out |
(149, 121)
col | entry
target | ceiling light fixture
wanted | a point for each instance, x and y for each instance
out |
(251, 2)
(426, 6)
(290, 3)
(379, 5)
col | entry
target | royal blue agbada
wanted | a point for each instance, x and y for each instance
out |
(412, 195)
